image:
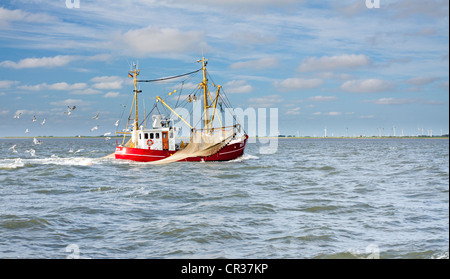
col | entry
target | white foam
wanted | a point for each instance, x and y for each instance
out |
(244, 157)
(11, 163)
(74, 161)
(53, 160)
(441, 256)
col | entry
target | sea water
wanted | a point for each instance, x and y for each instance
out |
(313, 198)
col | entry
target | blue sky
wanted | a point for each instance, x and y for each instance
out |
(324, 64)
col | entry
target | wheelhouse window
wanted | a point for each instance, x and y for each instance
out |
(151, 135)
(146, 136)
(156, 135)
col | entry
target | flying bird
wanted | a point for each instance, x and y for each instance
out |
(107, 134)
(94, 128)
(117, 123)
(13, 148)
(96, 117)
(43, 122)
(36, 141)
(69, 109)
(26, 131)
(18, 115)
(31, 151)
(34, 118)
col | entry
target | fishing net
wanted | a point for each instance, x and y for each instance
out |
(202, 144)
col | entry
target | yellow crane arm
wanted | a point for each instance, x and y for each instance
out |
(164, 103)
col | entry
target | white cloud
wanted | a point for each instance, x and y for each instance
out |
(252, 38)
(327, 63)
(7, 83)
(322, 98)
(293, 111)
(393, 101)
(408, 8)
(334, 113)
(45, 62)
(238, 87)
(108, 85)
(299, 83)
(266, 101)
(444, 85)
(87, 91)
(55, 86)
(111, 95)
(107, 82)
(367, 86)
(259, 64)
(66, 86)
(69, 102)
(421, 80)
(151, 40)
(7, 16)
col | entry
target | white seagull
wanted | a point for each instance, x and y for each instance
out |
(26, 131)
(69, 109)
(43, 122)
(34, 118)
(94, 128)
(13, 148)
(36, 141)
(18, 115)
(96, 117)
(117, 123)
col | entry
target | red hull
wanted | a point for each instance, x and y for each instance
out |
(229, 152)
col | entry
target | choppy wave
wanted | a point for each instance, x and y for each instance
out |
(75, 161)
(311, 199)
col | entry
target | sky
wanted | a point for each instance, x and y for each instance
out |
(344, 66)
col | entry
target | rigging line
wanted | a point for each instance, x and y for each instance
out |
(179, 95)
(166, 78)
(154, 106)
(120, 119)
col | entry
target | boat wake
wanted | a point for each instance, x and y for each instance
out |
(73, 161)
(83, 161)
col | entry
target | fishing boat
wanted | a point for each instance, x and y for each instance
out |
(161, 143)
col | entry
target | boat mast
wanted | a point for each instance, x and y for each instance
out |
(204, 85)
(134, 74)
